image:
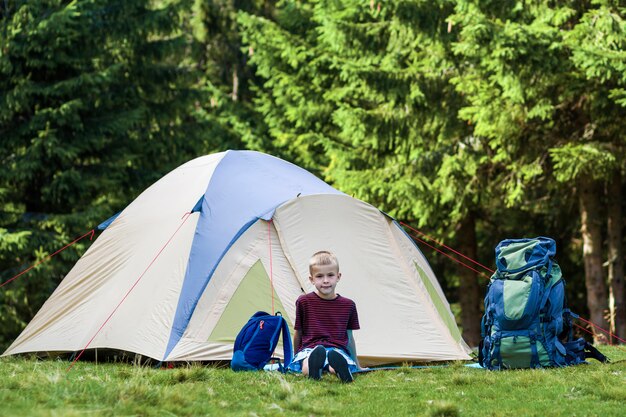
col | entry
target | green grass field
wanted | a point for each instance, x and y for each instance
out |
(29, 387)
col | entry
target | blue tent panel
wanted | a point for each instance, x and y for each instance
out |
(108, 222)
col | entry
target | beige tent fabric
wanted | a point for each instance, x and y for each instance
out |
(398, 320)
(99, 281)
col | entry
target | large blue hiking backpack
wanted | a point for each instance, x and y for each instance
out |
(524, 308)
(257, 340)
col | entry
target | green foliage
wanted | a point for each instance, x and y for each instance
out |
(227, 79)
(122, 389)
(598, 44)
(514, 68)
(572, 161)
(360, 94)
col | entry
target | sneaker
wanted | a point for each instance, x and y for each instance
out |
(317, 358)
(340, 365)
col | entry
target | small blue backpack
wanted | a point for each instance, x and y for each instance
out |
(257, 340)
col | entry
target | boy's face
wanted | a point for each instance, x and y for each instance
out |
(325, 279)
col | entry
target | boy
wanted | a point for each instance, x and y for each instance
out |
(324, 324)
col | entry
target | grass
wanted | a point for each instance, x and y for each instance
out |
(29, 387)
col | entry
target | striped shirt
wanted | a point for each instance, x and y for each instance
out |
(325, 322)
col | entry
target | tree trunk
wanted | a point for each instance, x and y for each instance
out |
(235, 93)
(471, 293)
(616, 257)
(590, 214)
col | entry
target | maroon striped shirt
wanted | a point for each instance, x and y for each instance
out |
(325, 322)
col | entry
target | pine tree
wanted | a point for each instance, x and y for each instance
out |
(597, 45)
(96, 102)
(227, 79)
(545, 113)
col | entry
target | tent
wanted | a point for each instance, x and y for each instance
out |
(179, 271)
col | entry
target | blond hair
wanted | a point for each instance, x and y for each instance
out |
(322, 257)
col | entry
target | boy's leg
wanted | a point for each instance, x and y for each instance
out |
(299, 359)
(314, 365)
(339, 365)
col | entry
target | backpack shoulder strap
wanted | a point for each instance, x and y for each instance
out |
(592, 352)
(287, 347)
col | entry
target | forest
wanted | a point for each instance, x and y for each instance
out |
(471, 121)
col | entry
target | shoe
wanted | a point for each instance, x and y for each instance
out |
(317, 358)
(340, 365)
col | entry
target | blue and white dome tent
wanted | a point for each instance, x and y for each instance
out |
(180, 270)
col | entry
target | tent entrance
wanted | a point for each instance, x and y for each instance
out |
(253, 294)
